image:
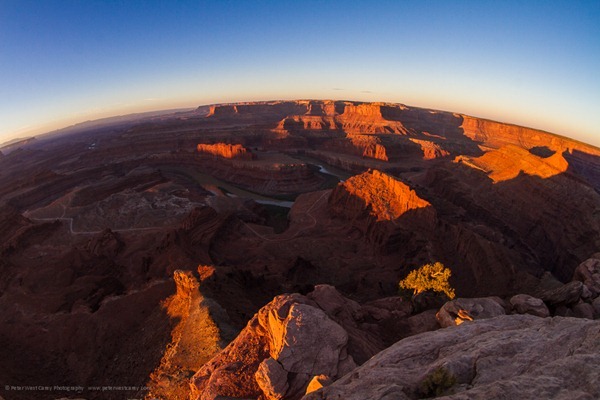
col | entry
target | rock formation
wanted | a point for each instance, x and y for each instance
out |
(275, 355)
(378, 205)
(225, 150)
(516, 356)
(203, 329)
(294, 344)
(588, 272)
(457, 311)
(525, 304)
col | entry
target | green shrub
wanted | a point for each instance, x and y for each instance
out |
(437, 383)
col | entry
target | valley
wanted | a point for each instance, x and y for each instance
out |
(175, 253)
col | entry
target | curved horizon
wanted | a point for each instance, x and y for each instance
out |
(166, 111)
(530, 64)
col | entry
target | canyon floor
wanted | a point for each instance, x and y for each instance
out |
(254, 250)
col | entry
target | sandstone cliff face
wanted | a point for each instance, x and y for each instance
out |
(225, 150)
(349, 117)
(371, 147)
(497, 134)
(517, 356)
(368, 146)
(509, 161)
(264, 178)
(368, 118)
(272, 109)
(430, 149)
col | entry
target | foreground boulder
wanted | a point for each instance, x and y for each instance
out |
(525, 304)
(293, 345)
(457, 311)
(563, 296)
(281, 349)
(588, 272)
(511, 357)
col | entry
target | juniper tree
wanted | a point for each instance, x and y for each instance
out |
(429, 277)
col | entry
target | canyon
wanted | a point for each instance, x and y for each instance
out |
(254, 250)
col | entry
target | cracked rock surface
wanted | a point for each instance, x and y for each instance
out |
(509, 357)
(284, 346)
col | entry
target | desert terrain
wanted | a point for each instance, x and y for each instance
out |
(254, 250)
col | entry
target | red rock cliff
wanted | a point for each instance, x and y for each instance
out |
(225, 150)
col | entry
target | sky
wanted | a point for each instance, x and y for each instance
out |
(531, 63)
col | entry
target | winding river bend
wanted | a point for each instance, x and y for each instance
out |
(220, 187)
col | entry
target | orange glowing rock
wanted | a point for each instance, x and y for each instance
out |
(386, 197)
(225, 150)
(510, 161)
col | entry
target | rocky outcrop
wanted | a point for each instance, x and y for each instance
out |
(568, 294)
(107, 244)
(457, 311)
(296, 343)
(344, 116)
(267, 179)
(367, 146)
(512, 356)
(202, 329)
(368, 118)
(525, 304)
(588, 272)
(379, 195)
(275, 355)
(430, 149)
(272, 109)
(510, 161)
(379, 205)
(225, 150)
(497, 134)
(86, 304)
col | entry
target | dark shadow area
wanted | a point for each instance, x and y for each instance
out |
(542, 151)
(585, 166)
(440, 127)
(535, 222)
(276, 217)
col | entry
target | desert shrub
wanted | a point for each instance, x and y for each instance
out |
(432, 277)
(437, 383)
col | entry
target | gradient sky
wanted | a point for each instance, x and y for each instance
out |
(525, 62)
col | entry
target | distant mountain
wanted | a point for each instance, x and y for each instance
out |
(115, 121)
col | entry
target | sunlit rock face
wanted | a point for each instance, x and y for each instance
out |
(294, 344)
(381, 207)
(380, 195)
(201, 329)
(457, 311)
(277, 354)
(225, 150)
(516, 356)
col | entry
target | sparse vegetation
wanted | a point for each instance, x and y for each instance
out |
(432, 277)
(437, 383)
